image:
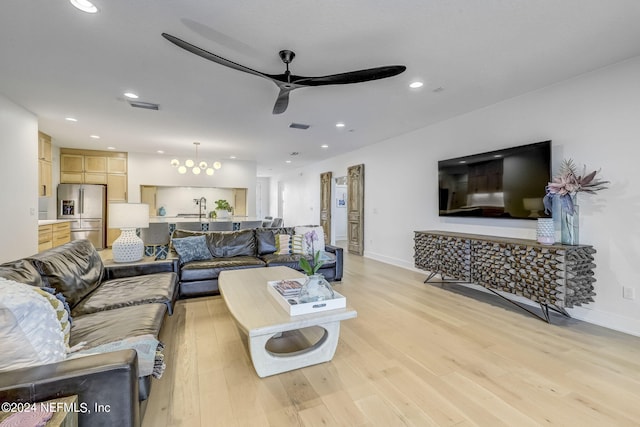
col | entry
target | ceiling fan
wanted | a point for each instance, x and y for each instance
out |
(287, 82)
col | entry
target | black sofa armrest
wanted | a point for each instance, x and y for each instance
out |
(115, 271)
(338, 252)
(106, 386)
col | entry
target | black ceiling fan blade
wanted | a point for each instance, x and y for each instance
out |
(282, 102)
(212, 57)
(350, 77)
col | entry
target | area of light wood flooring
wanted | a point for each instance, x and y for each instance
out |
(416, 355)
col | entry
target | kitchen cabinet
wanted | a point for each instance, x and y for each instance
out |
(148, 195)
(116, 187)
(45, 237)
(117, 165)
(61, 233)
(52, 235)
(44, 165)
(44, 147)
(97, 167)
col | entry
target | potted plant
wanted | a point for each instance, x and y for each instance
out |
(223, 208)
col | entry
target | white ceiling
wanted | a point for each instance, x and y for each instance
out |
(57, 62)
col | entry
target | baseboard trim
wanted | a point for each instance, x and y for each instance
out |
(606, 320)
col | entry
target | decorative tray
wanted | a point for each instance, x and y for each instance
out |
(292, 306)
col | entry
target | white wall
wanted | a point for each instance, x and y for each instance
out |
(180, 200)
(149, 169)
(592, 118)
(18, 181)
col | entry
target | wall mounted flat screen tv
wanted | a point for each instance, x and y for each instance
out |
(508, 183)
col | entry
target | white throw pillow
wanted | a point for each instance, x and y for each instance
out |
(30, 331)
(318, 244)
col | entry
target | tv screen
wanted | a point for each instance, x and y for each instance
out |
(508, 183)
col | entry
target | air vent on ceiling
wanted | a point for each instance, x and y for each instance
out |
(145, 105)
(294, 153)
(299, 126)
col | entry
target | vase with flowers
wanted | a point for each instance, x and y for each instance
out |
(316, 287)
(562, 198)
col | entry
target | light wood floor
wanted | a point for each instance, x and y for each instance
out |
(415, 355)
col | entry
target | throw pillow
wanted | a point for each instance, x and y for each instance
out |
(29, 329)
(283, 244)
(317, 238)
(61, 313)
(192, 249)
(297, 244)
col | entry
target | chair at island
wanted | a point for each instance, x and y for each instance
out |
(191, 226)
(156, 239)
(221, 226)
(250, 224)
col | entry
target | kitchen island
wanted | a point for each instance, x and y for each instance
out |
(204, 222)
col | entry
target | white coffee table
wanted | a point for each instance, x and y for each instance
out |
(279, 342)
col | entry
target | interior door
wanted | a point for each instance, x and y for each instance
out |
(325, 205)
(355, 209)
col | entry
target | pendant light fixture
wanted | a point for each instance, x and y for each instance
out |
(195, 165)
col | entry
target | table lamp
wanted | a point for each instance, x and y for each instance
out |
(128, 217)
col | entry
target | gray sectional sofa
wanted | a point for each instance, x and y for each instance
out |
(250, 248)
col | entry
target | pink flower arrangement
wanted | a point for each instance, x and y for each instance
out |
(568, 183)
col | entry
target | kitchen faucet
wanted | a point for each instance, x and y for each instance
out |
(202, 203)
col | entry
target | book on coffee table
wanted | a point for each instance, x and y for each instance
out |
(292, 305)
(289, 288)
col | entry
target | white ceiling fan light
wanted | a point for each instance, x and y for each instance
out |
(84, 5)
(417, 84)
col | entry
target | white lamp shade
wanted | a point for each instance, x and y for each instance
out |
(128, 215)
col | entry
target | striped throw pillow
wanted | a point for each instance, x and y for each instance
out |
(283, 244)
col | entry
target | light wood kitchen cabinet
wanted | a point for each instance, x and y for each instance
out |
(148, 195)
(44, 147)
(61, 233)
(116, 188)
(44, 178)
(44, 165)
(97, 167)
(45, 237)
(117, 165)
(95, 170)
(72, 163)
(52, 235)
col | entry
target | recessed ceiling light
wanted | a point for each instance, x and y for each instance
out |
(416, 85)
(232, 157)
(324, 146)
(131, 95)
(111, 148)
(287, 161)
(94, 136)
(70, 119)
(84, 5)
(340, 125)
(160, 152)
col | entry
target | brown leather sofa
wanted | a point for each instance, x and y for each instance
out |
(249, 248)
(107, 304)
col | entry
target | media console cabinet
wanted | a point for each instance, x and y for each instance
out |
(555, 276)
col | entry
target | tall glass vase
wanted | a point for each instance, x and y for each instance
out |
(570, 222)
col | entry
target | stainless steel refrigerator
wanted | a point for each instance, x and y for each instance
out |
(86, 205)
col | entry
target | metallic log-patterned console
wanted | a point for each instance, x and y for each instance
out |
(555, 276)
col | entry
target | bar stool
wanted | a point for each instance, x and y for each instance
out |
(156, 240)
